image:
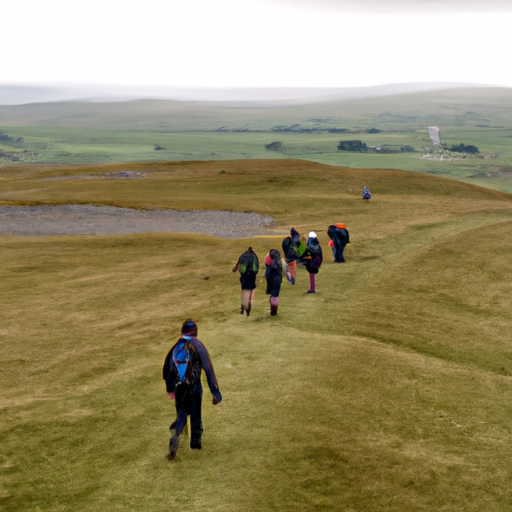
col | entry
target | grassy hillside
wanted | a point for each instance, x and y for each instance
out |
(152, 130)
(388, 390)
(464, 107)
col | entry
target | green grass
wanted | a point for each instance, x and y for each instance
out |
(94, 133)
(388, 390)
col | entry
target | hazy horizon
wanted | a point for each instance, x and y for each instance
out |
(261, 43)
(20, 94)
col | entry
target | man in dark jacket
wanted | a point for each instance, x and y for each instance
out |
(338, 233)
(182, 375)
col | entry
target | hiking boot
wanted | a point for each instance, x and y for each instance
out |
(173, 446)
(242, 310)
(195, 444)
(248, 310)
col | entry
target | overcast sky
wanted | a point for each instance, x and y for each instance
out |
(254, 43)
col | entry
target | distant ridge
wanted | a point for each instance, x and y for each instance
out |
(20, 94)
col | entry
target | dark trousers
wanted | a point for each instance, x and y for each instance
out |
(338, 253)
(188, 403)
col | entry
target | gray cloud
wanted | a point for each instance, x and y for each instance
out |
(404, 6)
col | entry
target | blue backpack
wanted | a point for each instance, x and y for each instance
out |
(182, 356)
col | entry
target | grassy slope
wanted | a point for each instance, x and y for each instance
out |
(388, 390)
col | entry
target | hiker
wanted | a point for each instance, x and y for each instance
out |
(293, 248)
(366, 194)
(182, 375)
(330, 243)
(248, 266)
(274, 277)
(339, 235)
(312, 259)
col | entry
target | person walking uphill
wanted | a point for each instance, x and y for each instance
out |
(312, 259)
(339, 235)
(248, 266)
(182, 374)
(293, 248)
(274, 277)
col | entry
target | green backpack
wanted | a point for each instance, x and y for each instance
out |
(249, 263)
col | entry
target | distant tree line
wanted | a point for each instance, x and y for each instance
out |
(297, 128)
(274, 146)
(462, 148)
(388, 148)
(6, 138)
(361, 147)
(352, 145)
(338, 130)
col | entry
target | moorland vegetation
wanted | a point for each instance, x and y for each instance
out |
(388, 390)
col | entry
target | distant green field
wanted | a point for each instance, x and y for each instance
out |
(150, 130)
